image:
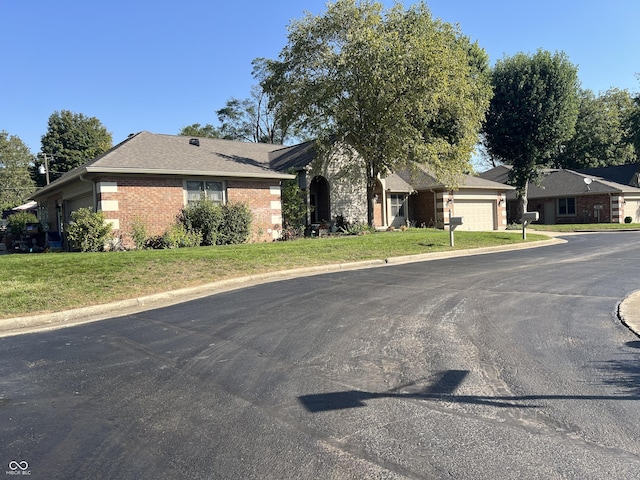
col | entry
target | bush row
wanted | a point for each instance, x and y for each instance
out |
(202, 223)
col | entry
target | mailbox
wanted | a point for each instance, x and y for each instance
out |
(453, 223)
(528, 217)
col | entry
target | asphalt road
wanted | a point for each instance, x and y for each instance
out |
(501, 366)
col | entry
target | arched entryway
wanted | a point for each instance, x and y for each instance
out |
(319, 200)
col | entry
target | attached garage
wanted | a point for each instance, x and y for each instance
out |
(632, 209)
(478, 214)
(482, 203)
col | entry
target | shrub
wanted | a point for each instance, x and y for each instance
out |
(139, 233)
(17, 222)
(291, 233)
(178, 236)
(88, 231)
(236, 224)
(628, 219)
(294, 205)
(205, 217)
(217, 224)
(359, 228)
(156, 242)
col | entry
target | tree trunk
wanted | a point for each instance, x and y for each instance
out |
(371, 184)
(523, 201)
(370, 212)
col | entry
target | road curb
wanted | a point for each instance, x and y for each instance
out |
(629, 312)
(78, 316)
(82, 315)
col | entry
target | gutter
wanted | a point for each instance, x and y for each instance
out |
(93, 191)
(198, 173)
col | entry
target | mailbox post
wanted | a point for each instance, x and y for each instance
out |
(453, 223)
(527, 218)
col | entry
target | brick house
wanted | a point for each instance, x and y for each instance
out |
(336, 188)
(422, 199)
(152, 177)
(567, 196)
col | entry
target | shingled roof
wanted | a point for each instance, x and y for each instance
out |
(558, 182)
(422, 179)
(153, 153)
(628, 174)
(567, 183)
(156, 154)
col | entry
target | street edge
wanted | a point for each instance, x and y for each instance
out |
(629, 312)
(83, 315)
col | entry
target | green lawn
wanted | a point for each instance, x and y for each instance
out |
(37, 283)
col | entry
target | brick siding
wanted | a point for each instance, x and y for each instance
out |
(158, 200)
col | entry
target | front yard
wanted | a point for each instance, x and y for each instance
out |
(47, 282)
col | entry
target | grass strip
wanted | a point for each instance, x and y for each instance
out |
(49, 282)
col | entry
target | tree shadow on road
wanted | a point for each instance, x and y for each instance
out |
(443, 389)
(623, 373)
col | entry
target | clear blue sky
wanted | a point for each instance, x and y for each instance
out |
(161, 65)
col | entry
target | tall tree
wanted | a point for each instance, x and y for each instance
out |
(16, 183)
(73, 139)
(254, 119)
(197, 130)
(396, 86)
(251, 120)
(532, 114)
(634, 125)
(603, 132)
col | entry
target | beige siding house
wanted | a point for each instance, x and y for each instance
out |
(336, 190)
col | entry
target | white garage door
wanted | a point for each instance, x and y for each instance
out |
(632, 209)
(477, 214)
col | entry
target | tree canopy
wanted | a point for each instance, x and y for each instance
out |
(603, 133)
(532, 114)
(254, 119)
(634, 125)
(73, 139)
(197, 130)
(16, 183)
(396, 86)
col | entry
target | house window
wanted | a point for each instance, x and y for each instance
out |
(566, 206)
(198, 190)
(397, 205)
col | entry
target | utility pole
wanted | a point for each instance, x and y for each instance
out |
(45, 169)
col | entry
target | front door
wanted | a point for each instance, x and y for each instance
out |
(319, 200)
(398, 207)
(549, 213)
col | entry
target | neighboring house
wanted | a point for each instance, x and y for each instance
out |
(567, 196)
(624, 174)
(152, 177)
(336, 191)
(419, 198)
